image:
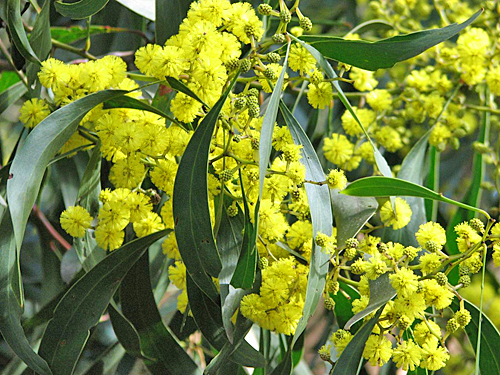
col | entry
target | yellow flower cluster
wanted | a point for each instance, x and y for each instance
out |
(278, 306)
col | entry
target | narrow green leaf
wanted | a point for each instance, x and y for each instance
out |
(17, 33)
(384, 53)
(11, 95)
(229, 240)
(381, 291)
(348, 362)
(321, 217)
(379, 159)
(73, 34)
(231, 304)
(106, 363)
(378, 186)
(285, 367)
(351, 214)
(432, 182)
(193, 226)
(7, 79)
(266, 133)
(145, 8)
(10, 310)
(40, 40)
(165, 355)
(41, 145)
(181, 87)
(343, 305)
(207, 315)
(84, 303)
(125, 332)
(129, 102)
(90, 185)
(489, 362)
(80, 9)
(244, 274)
(169, 15)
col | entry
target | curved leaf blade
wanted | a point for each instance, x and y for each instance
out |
(17, 33)
(489, 362)
(351, 214)
(381, 291)
(348, 362)
(165, 355)
(384, 53)
(41, 145)
(41, 41)
(11, 95)
(84, 303)
(10, 310)
(321, 217)
(193, 226)
(207, 315)
(169, 15)
(80, 9)
(378, 186)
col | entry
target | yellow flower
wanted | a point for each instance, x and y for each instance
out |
(378, 350)
(336, 179)
(407, 355)
(320, 95)
(400, 218)
(338, 149)
(108, 237)
(33, 111)
(75, 220)
(431, 231)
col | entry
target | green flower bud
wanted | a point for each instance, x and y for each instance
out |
(477, 225)
(329, 303)
(245, 65)
(441, 278)
(273, 57)
(285, 16)
(278, 38)
(265, 9)
(305, 23)
(452, 325)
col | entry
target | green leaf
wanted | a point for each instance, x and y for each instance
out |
(11, 95)
(80, 9)
(193, 226)
(285, 367)
(41, 145)
(40, 40)
(244, 274)
(351, 214)
(7, 79)
(73, 34)
(229, 240)
(145, 8)
(129, 102)
(343, 305)
(90, 185)
(432, 182)
(165, 355)
(17, 33)
(10, 310)
(125, 332)
(169, 15)
(266, 133)
(348, 362)
(106, 363)
(177, 85)
(207, 315)
(321, 217)
(381, 291)
(379, 159)
(378, 186)
(489, 362)
(82, 306)
(383, 53)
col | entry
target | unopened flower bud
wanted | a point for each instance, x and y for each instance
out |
(265, 9)
(306, 23)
